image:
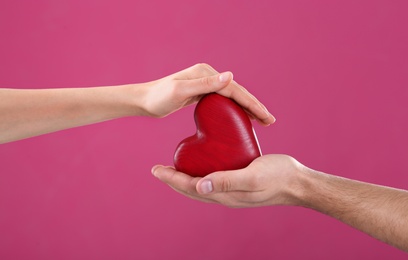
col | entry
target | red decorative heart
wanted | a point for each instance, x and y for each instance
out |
(225, 139)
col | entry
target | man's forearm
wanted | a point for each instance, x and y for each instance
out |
(26, 113)
(381, 212)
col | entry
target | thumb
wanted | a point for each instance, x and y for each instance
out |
(195, 87)
(225, 181)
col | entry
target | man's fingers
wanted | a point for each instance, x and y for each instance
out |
(239, 188)
(175, 179)
(195, 196)
(180, 182)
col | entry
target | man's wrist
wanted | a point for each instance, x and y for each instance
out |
(295, 183)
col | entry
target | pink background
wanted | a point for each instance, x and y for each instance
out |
(334, 73)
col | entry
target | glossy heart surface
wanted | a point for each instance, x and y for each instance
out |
(225, 139)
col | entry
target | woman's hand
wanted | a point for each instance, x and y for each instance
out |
(171, 93)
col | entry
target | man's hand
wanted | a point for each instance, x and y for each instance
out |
(268, 180)
(280, 180)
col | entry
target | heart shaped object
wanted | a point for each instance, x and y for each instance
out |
(225, 139)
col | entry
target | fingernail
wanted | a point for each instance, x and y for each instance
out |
(154, 169)
(224, 77)
(269, 115)
(206, 186)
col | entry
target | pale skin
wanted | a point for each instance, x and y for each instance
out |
(27, 113)
(381, 212)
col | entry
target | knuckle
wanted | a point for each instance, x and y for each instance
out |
(226, 184)
(203, 65)
(204, 68)
(206, 81)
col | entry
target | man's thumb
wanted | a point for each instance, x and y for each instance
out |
(216, 182)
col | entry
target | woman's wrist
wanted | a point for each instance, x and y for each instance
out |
(130, 99)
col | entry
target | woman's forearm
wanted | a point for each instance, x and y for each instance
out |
(25, 113)
(381, 212)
